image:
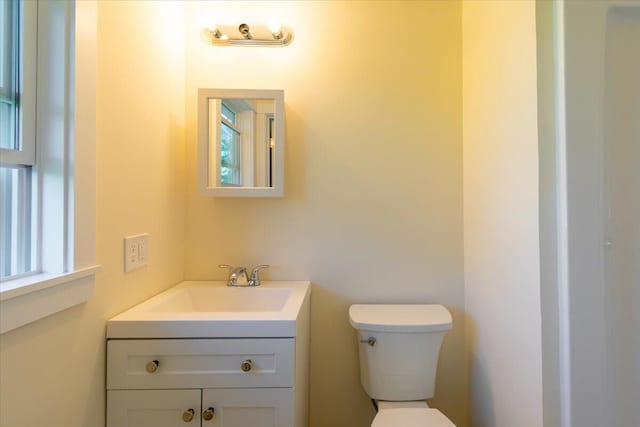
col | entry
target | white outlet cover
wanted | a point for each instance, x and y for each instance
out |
(135, 251)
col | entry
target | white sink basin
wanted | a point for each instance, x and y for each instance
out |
(222, 299)
(214, 310)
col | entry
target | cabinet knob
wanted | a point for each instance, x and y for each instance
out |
(187, 416)
(246, 365)
(208, 414)
(152, 366)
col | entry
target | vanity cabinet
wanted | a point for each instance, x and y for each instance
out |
(204, 354)
(202, 382)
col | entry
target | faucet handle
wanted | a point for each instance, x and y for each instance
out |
(226, 266)
(255, 274)
(258, 268)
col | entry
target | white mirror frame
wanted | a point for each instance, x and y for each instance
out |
(208, 188)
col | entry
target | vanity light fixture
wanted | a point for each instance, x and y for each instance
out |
(272, 34)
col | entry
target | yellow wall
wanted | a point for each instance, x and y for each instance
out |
(52, 371)
(373, 200)
(501, 235)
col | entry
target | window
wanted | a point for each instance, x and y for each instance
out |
(17, 142)
(9, 19)
(47, 196)
(15, 222)
(229, 148)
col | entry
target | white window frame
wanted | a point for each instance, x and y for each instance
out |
(66, 75)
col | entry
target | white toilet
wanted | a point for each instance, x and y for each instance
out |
(399, 347)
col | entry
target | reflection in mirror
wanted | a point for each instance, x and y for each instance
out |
(246, 141)
(241, 142)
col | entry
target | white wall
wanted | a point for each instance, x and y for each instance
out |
(373, 200)
(52, 371)
(622, 201)
(501, 236)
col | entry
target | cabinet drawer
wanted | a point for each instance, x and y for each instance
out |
(200, 363)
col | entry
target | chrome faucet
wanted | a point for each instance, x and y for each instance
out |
(238, 276)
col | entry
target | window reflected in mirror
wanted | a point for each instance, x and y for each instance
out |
(241, 142)
(246, 138)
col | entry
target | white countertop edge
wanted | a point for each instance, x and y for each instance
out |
(171, 329)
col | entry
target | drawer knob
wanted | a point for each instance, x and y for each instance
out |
(246, 365)
(152, 366)
(187, 416)
(208, 414)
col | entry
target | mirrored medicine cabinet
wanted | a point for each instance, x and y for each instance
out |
(241, 142)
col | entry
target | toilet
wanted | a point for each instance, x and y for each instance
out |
(399, 346)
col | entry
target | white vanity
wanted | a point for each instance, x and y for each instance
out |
(208, 355)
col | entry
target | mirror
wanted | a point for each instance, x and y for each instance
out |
(241, 142)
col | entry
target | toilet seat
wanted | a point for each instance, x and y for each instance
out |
(411, 417)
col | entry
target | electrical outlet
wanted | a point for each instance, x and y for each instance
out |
(135, 251)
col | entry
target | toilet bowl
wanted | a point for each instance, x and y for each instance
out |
(399, 347)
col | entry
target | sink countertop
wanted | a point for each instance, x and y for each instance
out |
(210, 309)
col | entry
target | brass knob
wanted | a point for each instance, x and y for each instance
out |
(208, 414)
(246, 365)
(187, 416)
(152, 366)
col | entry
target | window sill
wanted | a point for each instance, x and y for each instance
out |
(31, 298)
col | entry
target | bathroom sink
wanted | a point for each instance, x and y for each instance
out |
(214, 310)
(222, 299)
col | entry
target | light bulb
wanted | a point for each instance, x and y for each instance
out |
(209, 24)
(275, 28)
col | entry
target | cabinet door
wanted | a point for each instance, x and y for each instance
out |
(153, 408)
(244, 407)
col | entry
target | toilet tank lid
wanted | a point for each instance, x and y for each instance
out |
(400, 317)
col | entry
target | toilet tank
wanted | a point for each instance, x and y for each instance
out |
(399, 346)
